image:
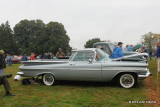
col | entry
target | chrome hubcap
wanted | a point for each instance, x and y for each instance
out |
(127, 80)
(48, 79)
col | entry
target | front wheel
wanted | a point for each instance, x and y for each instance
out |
(127, 80)
(48, 79)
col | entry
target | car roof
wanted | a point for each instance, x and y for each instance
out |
(86, 49)
(102, 43)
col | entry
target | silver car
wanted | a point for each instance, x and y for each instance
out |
(90, 64)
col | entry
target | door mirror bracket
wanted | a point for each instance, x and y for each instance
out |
(89, 60)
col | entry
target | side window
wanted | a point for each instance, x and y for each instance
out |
(101, 56)
(83, 56)
(107, 48)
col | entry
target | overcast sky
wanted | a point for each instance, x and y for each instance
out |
(115, 20)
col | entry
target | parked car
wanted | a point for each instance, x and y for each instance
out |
(108, 47)
(15, 59)
(90, 64)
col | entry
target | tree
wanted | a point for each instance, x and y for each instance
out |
(90, 42)
(55, 37)
(149, 40)
(35, 36)
(7, 42)
(157, 38)
(27, 34)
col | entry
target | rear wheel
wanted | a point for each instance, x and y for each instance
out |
(127, 80)
(48, 79)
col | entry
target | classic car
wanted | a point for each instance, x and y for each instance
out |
(90, 64)
(15, 59)
(108, 47)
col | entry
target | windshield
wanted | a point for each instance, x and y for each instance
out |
(71, 57)
(101, 56)
(111, 46)
(84, 56)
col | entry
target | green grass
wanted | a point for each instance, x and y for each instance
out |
(71, 94)
(156, 79)
(153, 69)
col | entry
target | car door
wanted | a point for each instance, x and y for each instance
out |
(83, 69)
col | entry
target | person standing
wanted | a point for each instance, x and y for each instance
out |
(158, 50)
(24, 57)
(60, 53)
(4, 81)
(32, 56)
(128, 48)
(9, 60)
(117, 51)
(45, 56)
(2, 62)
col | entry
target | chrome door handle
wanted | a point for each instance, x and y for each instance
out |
(72, 64)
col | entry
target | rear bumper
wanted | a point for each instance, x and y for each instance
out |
(145, 75)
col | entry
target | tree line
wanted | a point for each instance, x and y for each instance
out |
(150, 40)
(34, 36)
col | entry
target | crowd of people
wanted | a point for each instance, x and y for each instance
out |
(48, 55)
(118, 51)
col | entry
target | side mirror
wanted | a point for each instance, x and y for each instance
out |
(89, 60)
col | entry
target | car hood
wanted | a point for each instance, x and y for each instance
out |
(143, 55)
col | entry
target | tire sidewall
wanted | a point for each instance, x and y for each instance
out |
(45, 82)
(130, 75)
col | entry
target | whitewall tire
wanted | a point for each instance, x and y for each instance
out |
(48, 79)
(127, 80)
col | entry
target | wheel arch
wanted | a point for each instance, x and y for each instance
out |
(120, 73)
(43, 73)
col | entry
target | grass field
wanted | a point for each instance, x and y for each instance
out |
(153, 85)
(72, 94)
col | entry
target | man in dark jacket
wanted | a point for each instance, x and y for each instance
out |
(24, 58)
(4, 81)
(2, 62)
(158, 52)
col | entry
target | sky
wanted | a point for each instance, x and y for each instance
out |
(115, 20)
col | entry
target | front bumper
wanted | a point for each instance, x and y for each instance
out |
(20, 73)
(145, 75)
